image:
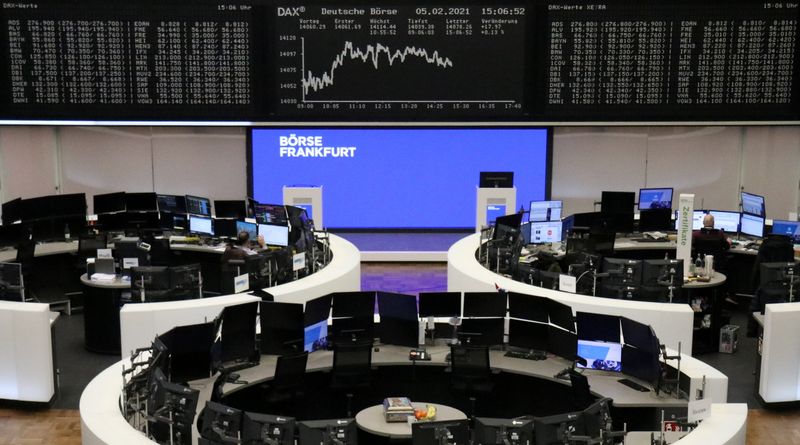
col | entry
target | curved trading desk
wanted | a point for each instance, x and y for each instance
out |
(103, 423)
(673, 323)
(141, 323)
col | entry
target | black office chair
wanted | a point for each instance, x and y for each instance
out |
(287, 385)
(773, 249)
(229, 270)
(712, 245)
(352, 366)
(471, 374)
(581, 394)
(160, 253)
(25, 257)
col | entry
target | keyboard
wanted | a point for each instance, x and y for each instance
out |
(650, 240)
(535, 355)
(634, 385)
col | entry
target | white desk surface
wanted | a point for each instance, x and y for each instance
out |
(717, 280)
(373, 421)
(118, 283)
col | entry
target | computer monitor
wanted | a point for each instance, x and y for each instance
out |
(201, 225)
(141, 202)
(38, 208)
(11, 282)
(697, 219)
(236, 209)
(263, 429)
(484, 304)
(622, 270)
(641, 364)
(597, 418)
(527, 307)
(399, 319)
(197, 205)
(600, 355)
(560, 315)
(617, 202)
(562, 343)
(638, 335)
(185, 281)
(331, 431)
(12, 211)
(397, 306)
(598, 327)
(545, 232)
(491, 431)
(753, 204)
(496, 180)
(226, 228)
(527, 335)
(274, 235)
(752, 225)
(655, 220)
(250, 228)
(556, 430)
(171, 203)
(663, 273)
(72, 204)
(153, 280)
(236, 333)
(441, 432)
(220, 423)
(315, 322)
(271, 214)
(655, 198)
(353, 304)
(440, 304)
(778, 273)
(543, 211)
(109, 203)
(481, 331)
(188, 351)
(783, 227)
(727, 221)
(124, 250)
(282, 330)
(171, 409)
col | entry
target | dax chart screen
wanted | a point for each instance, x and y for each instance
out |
(400, 60)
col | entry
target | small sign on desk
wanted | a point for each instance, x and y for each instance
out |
(698, 410)
(567, 283)
(241, 283)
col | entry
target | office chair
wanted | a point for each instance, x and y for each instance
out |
(352, 366)
(773, 249)
(160, 253)
(287, 385)
(581, 394)
(711, 245)
(25, 257)
(229, 270)
(471, 374)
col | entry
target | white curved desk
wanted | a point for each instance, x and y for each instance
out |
(673, 323)
(140, 323)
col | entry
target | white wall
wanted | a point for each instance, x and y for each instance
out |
(711, 162)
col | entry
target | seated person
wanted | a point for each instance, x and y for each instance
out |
(241, 248)
(708, 234)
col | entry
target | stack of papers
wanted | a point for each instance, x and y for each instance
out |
(104, 277)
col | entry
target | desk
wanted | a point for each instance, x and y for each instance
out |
(779, 379)
(102, 300)
(706, 339)
(27, 358)
(373, 421)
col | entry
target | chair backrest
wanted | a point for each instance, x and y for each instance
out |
(25, 252)
(88, 244)
(581, 394)
(470, 362)
(776, 248)
(352, 361)
(290, 371)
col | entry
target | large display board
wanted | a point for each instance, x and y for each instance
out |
(397, 177)
(446, 61)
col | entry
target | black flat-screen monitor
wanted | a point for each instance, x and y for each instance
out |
(317, 310)
(527, 335)
(512, 221)
(330, 431)
(752, 225)
(622, 270)
(189, 351)
(638, 335)
(662, 273)
(655, 198)
(556, 430)
(396, 331)
(236, 326)
(171, 410)
(779, 227)
(171, 203)
(141, 202)
(481, 331)
(250, 228)
(225, 228)
(69, 205)
(727, 221)
(598, 327)
(542, 211)
(198, 205)
(109, 203)
(496, 180)
(597, 417)
(527, 307)
(753, 204)
(236, 209)
(201, 225)
(561, 315)
(440, 432)
(491, 431)
(122, 250)
(11, 282)
(263, 429)
(655, 220)
(397, 306)
(545, 232)
(562, 343)
(220, 423)
(150, 278)
(642, 364)
(617, 202)
(34, 209)
(440, 304)
(600, 355)
(12, 211)
(353, 304)
(353, 328)
(282, 330)
(274, 235)
(484, 304)
(271, 214)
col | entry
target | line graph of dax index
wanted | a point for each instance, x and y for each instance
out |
(400, 60)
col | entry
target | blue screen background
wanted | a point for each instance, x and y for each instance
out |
(402, 178)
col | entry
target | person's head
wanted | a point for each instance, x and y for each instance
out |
(243, 238)
(708, 221)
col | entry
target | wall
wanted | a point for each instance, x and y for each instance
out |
(711, 162)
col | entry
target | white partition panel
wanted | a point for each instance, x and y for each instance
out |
(780, 354)
(26, 352)
(27, 162)
(672, 323)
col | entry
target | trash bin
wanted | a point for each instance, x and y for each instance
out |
(729, 338)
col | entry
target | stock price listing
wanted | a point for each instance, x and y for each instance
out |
(403, 61)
